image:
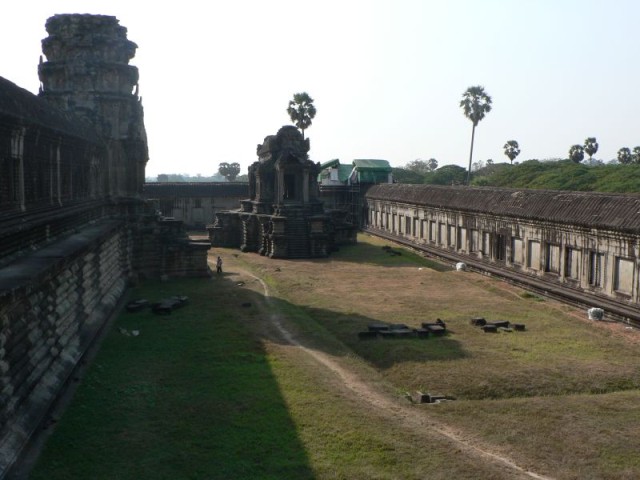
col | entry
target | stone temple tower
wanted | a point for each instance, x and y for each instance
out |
(284, 218)
(87, 73)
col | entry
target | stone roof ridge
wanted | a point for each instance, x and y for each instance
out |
(616, 211)
(17, 102)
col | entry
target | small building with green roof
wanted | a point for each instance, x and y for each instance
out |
(361, 171)
(342, 187)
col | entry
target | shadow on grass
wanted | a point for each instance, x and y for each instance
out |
(193, 395)
(186, 395)
(383, 254)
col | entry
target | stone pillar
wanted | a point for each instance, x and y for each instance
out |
(279, 186)
(305, 186)
(17, 152)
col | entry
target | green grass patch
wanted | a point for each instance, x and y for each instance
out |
(531, 296)
(379, 252)
(193, 396)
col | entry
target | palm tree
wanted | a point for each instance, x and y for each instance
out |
(636, 154)
(511, 150)
(476, 104)
(625, 156)
(576, 153)
(229, 170)
(301, 110)
(590, 147)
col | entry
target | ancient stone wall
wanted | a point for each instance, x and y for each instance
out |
(195, 204)
(73, 227)
(161, 247)
(600, 261)
(52, 305)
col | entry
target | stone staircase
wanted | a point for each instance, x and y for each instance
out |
(297, 233)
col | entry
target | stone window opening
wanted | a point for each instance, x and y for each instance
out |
(451, 236)
(290, 192)
(571, 263)
(533, 254)
(596, 265)
(552, 258)
(486, 244)
(501, 247)
(473, 241)
(517, 249)
(624, 275)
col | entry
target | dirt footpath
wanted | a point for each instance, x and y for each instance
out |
(406, 416)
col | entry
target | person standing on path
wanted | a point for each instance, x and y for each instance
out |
(219, 265)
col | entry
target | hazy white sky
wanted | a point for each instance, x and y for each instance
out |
(387, 76)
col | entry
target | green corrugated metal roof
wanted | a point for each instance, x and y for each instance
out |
(368, 164)
(343, 172)
(330, 163)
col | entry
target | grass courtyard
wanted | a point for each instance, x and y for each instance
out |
(216, 391)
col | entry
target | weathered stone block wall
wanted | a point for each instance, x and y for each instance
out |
(601, 262)
(52, 305)
(195, 204)
(161, 247)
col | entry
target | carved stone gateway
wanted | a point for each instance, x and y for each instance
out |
(283, 218)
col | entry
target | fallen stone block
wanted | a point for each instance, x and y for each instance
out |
(421, 332)
(137, 305)
(377, 327)
(434, 328)
(398, 326)
(501, 324)
(368, 335)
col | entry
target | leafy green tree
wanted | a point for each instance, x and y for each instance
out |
(404, 175)
(511, 150)
(590, 146)
(229, 170)
(422, 167)
(636, 154)
(301, 110)
(446, 175)
(625, 156)
(576, 153)
(476, 104)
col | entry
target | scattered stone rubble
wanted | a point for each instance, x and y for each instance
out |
(499, 326)
(400, 330)
(163, 307)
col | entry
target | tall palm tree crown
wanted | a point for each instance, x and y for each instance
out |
(475, 104)
(624, 156)
(576, 153)
(590, 146)
(511, 149)
(301, 110)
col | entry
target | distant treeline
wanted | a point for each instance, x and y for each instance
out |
(552, 175)
(185, 177)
